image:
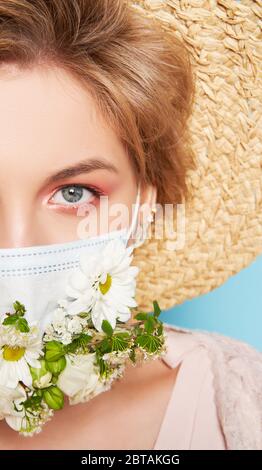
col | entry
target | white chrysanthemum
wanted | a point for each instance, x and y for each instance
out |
(64, 327)
(18, 351)
(26, 422)
(8, 397)
(105, 284)
(80, 380)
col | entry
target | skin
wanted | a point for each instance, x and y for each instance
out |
(56, 126)
(49, 123)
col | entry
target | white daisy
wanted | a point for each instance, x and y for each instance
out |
(17, 351)
(105, 284)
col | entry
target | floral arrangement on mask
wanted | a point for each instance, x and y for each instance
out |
(85, 347)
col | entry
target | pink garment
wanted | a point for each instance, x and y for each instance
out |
(190, 420)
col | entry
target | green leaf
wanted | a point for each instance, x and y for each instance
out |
(56, 367)
(19, 308)
(150, 324)
(78, 343)
(123, 334)
(54, 351)
(103, 366)
(54, 397)
(22, 325)
(157, 309)
(107, 328)
(10, 320)
(141, 316)
(160, 329)
(137, 330)
(101, 363)
(19, 322)
(33, 402)
(117, 342)
(105, 346)
(120, 342)
(149, 342)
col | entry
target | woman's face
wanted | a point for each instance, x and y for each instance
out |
(57, 155)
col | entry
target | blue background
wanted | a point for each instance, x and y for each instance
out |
(233, 309)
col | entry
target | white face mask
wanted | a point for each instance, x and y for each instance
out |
(37, 275)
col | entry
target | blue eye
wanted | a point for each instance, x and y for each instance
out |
(72, 195)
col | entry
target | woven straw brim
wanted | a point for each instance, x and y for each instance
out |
(224, 217)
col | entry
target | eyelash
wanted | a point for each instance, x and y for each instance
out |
(94, 190)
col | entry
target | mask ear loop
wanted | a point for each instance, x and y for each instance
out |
(140, 234)
(135, 215)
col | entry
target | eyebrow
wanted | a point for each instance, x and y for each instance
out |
(84, 166)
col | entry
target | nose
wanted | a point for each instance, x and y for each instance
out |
(19, 225)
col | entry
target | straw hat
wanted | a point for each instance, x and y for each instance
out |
(223, 232)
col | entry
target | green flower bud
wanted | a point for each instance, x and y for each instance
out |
(54, 397)
(56, 366)
(54, 350)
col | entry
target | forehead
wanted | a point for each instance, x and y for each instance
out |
(45, 109)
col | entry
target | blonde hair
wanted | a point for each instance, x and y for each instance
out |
(141, 80)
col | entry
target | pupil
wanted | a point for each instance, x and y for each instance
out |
(72, 194)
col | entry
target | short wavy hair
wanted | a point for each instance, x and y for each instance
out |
(141, 80)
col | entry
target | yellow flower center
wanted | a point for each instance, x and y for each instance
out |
(13, 354)
(104, 287)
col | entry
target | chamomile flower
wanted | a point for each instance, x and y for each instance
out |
(18, 351)
(104, 284)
